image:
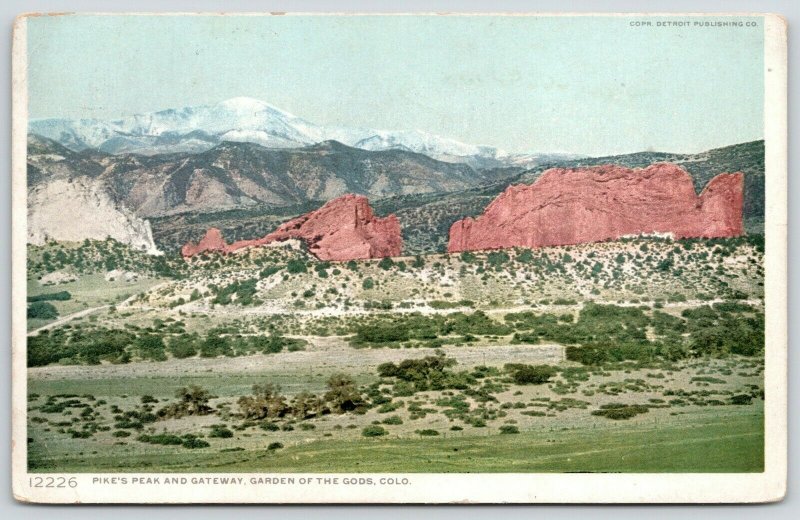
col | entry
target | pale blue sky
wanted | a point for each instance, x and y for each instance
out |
(592, 85)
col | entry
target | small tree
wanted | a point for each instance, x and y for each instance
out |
(266, 402)
(386, 263)
(192, 400)
(306, 405)
(295, 266)
(343, 395)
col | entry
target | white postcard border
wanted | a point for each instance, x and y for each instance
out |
(439, 488)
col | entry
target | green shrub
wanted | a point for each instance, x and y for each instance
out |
(532, 375)
(150, 346)
(269, 271)
(427, 432)
(564, 301)
(389, 407)
(373, 431)
(165, 439)
(275, 343)
(183, 346)
(266, 402)
(220, 431)
(275, 446)
(381, 333)
(343, 394)
(707, 379)
(192, 443)
(497, 258)
(295, 266)
(57, 296)
(507, 429)
(428, 373)
(741, 399)
(42, 311)
(620, 411)
(192, 400)
(244, 290)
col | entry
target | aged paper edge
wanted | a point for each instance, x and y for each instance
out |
(494, 488)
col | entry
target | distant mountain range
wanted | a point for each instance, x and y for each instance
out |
(236, 175)
(199, 128)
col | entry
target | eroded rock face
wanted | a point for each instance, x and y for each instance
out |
(343, 229)
(572, 206)
(77, 209)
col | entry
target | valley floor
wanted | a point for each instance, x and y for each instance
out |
(692, 424)
(704, 442)
(632, 356)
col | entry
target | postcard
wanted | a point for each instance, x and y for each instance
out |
(417, 258)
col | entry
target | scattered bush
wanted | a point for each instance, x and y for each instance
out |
(162, 438)
(620, 411)
(42, 311)
(192, 443)
(57, 296)
(220, 431)
(343, 395)
(374, 431)
(266, 402)
(192, 400)
(531, 375)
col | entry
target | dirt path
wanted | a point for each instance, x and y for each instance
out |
(67, 318)
(92, 310)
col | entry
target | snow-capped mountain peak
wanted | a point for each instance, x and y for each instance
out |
(244, 119)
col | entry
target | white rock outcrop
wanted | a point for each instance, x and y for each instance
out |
(57, 277)
(76, 209)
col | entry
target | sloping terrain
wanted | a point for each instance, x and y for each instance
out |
(241, 175)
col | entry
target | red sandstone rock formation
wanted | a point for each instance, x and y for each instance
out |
(343, 229)
(572, 206)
